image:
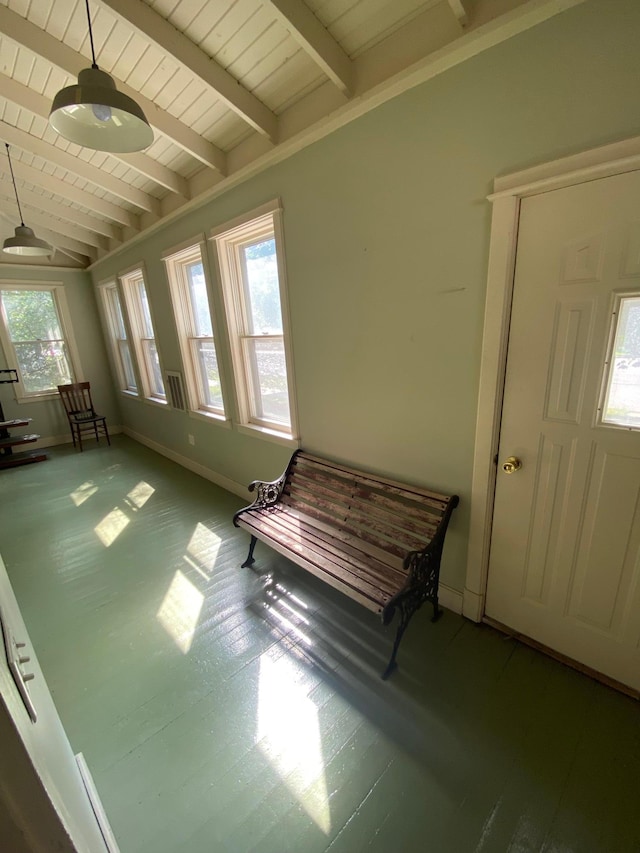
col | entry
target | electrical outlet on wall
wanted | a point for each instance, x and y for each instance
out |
(191, 439)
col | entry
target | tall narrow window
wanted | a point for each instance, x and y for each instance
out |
(250, 260)
(34, 337)
(117, 337)
(188, 283)
(144, 340)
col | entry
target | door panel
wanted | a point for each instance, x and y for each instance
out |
(565, 555)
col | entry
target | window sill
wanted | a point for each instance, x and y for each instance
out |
(150, 401)
(268, 435)
(210, 417)
(155, 401)
(38, 398)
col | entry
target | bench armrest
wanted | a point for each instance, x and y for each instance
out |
(267, 492)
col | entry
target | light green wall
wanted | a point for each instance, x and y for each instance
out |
(48, 415)
(387, 231)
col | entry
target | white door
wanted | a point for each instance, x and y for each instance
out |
(46, 795)
(565, 553)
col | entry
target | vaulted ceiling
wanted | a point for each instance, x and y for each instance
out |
(228, 86)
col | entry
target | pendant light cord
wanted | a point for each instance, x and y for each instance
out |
(93, 52)
(15, 188)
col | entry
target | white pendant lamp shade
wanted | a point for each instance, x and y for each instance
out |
(94, 114)
(26, 243)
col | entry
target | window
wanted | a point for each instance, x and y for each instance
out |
(117, 336)
(250, 265)
(144, 341)
(35, 337)
(188, 284)
(621, 406)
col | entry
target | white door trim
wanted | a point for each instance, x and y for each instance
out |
(607, 160)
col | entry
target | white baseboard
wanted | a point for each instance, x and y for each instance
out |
(450, 598)
(473, 605)
(53, 440)
(196, 467)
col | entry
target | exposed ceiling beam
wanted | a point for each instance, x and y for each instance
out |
(158, 30)
(316, 40)
(66, 212)
(28, 35)
(459, 10)
(72, 193)
(58, 157)
(58, 240)
(26, 98)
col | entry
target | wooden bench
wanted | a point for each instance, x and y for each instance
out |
(376, 540)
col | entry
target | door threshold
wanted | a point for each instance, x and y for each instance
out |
(567, 661)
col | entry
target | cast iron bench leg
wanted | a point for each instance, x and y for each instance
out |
(407, 608)
(250, 561)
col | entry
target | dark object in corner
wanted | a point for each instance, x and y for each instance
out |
(9, 459)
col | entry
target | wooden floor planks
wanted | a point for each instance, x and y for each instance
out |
(260, 724)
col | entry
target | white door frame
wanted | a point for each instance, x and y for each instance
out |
(601, 162)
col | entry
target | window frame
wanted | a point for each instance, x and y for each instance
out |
(115, 342)
(130, 281)
(57, 291)
(177, 261)
(264, 222)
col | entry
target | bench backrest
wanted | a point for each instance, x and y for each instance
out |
(393, 518)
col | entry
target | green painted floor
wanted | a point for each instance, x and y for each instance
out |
(218, 713)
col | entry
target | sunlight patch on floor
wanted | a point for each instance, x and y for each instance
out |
(180, 611)
(289, 736)
(140, 494)
(202, 549)
(111, 526)
(83, 493)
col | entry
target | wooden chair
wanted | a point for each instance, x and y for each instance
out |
(81, 415)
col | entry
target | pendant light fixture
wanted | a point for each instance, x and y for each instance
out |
(25, 241)
(93, 113)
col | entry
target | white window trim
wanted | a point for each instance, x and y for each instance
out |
(614, 159)
(56, 288)
(175, 262)
(268, 217)
(134, 323)
(112, 339)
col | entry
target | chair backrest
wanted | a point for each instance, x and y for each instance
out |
(76, 397)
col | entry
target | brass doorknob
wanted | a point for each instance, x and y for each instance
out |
(511, 465)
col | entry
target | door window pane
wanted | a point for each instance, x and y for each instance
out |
(622, 399)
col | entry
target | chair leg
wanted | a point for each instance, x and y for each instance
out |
(95, 429)
(80, 438)
(106, 431)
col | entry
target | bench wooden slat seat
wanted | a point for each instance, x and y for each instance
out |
(376, 540)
